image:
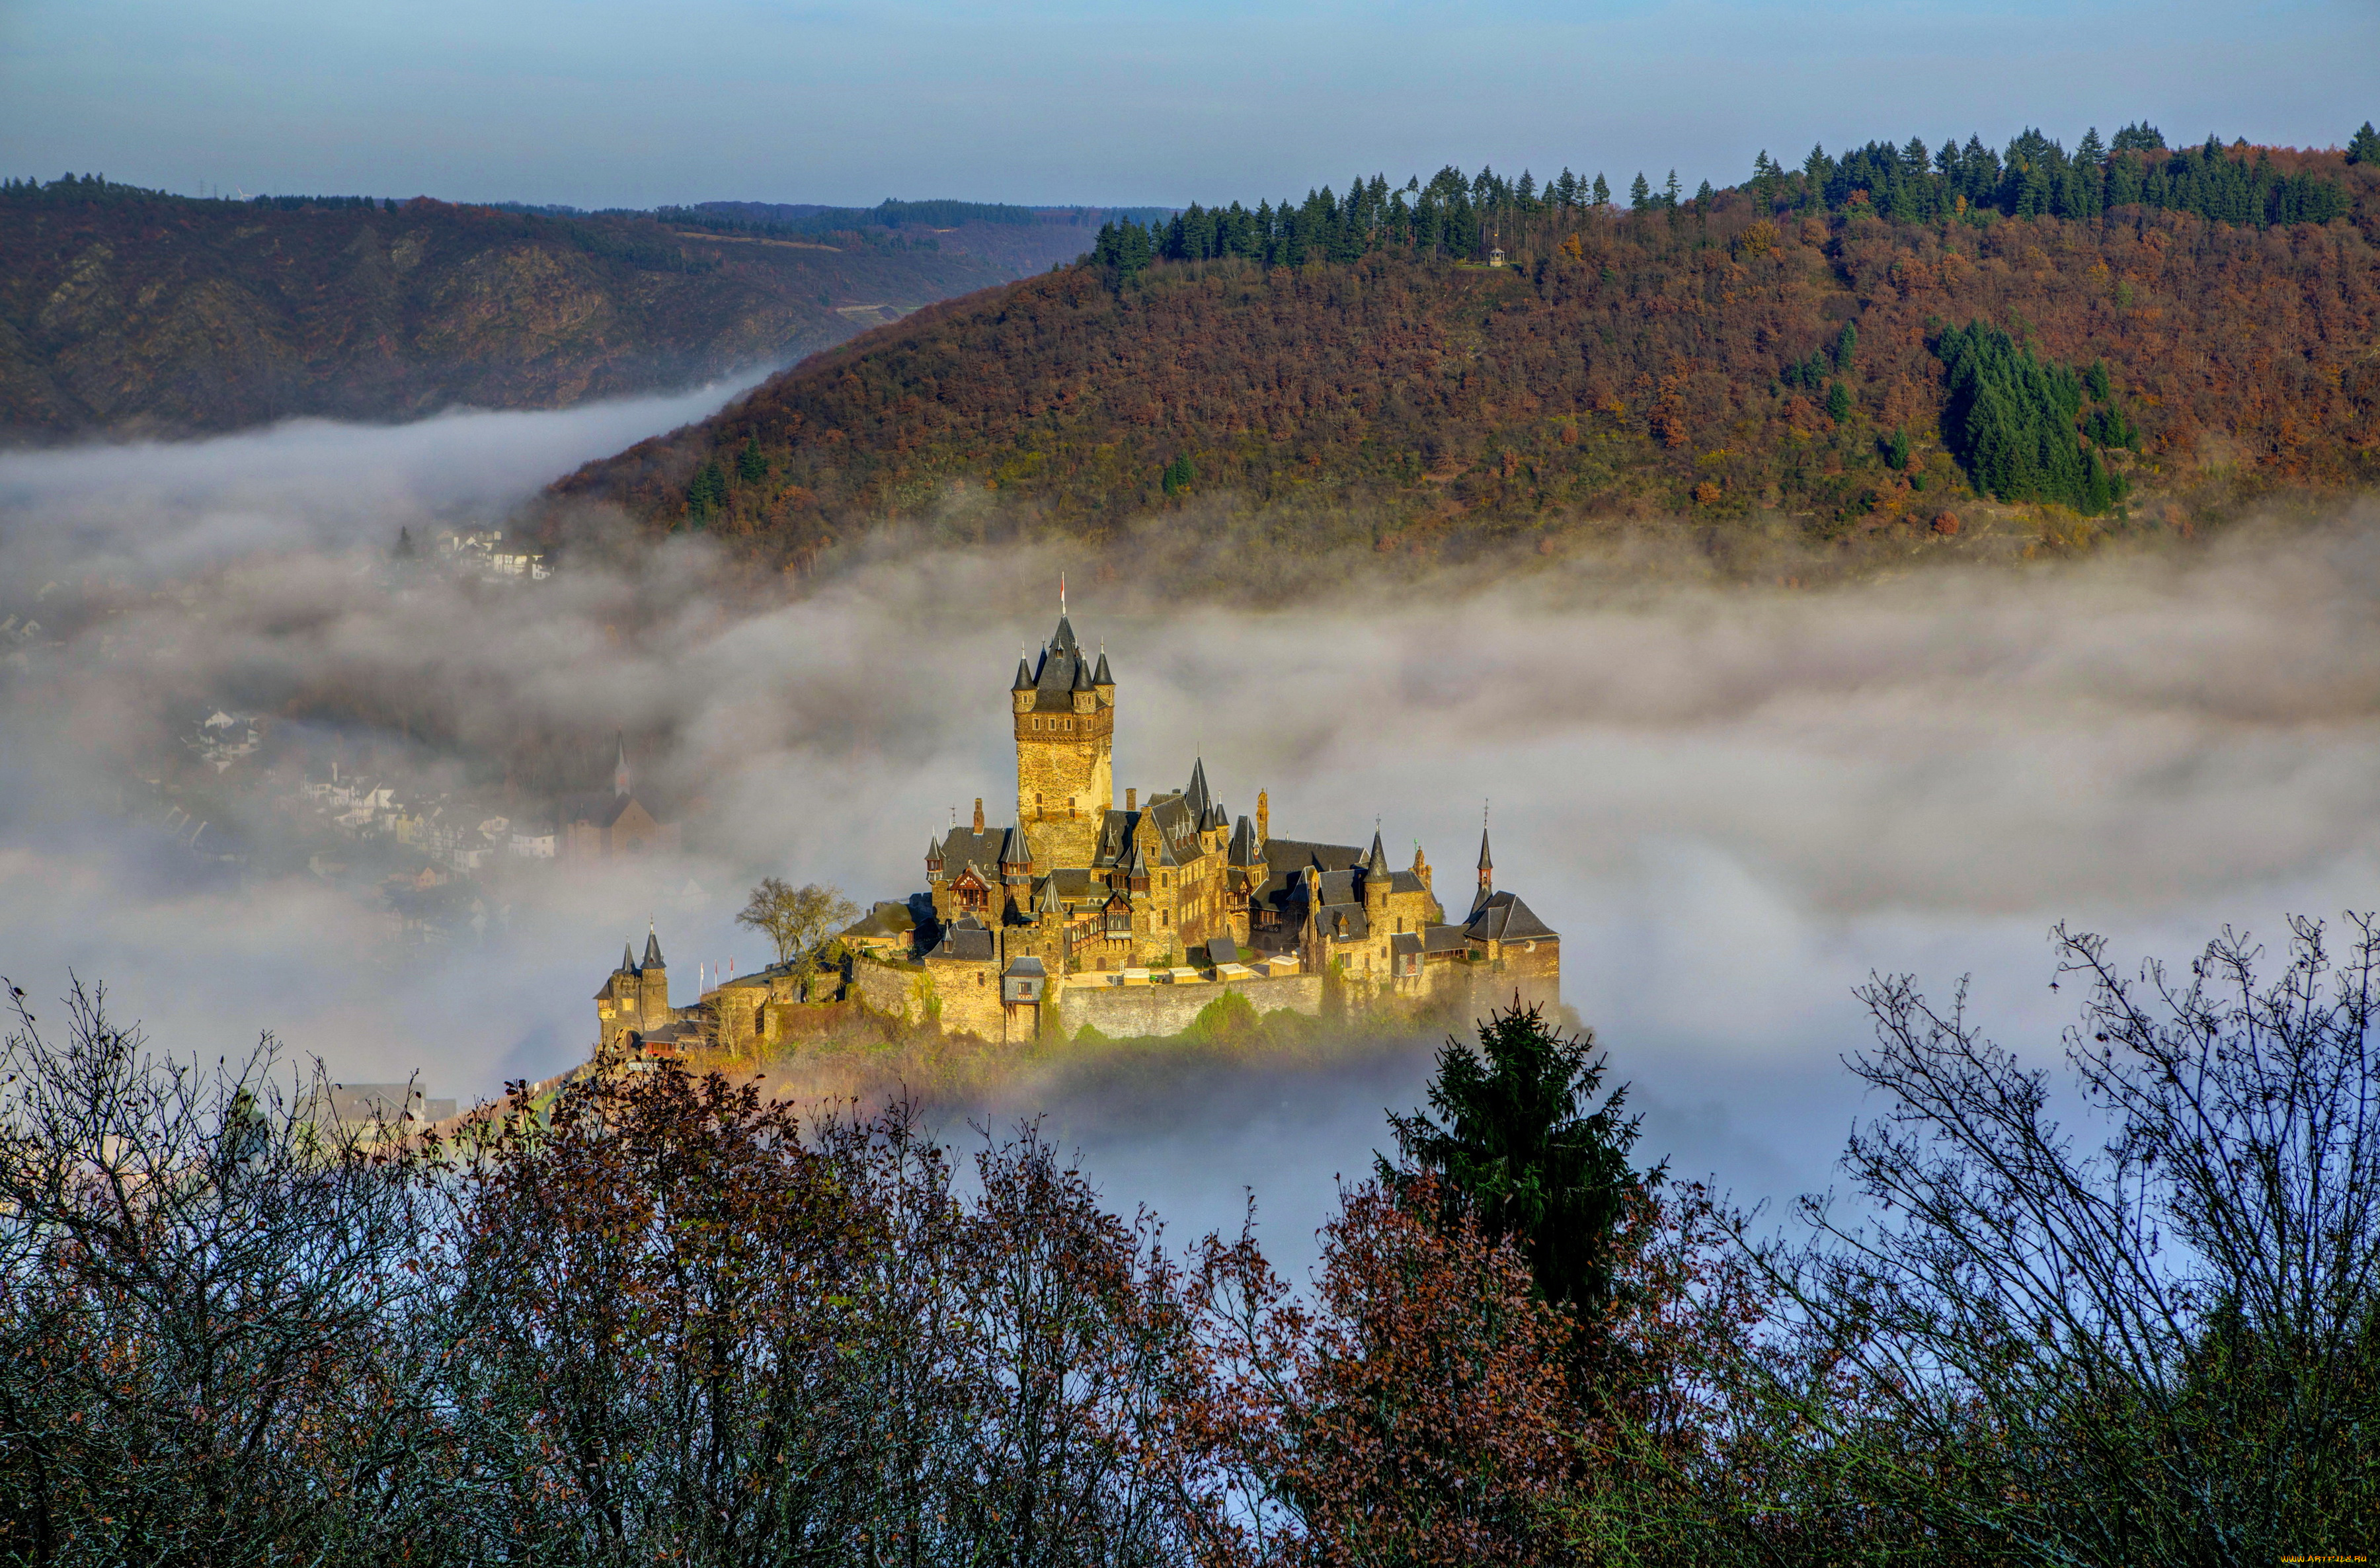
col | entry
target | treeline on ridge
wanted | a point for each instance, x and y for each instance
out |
(1463, 217)
(1368, 370)
(141, 311)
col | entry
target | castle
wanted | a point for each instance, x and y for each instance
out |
(1127, 920)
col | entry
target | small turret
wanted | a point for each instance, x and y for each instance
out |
(627, 959)
(1377, 877)
(1264, 819)
(1486, 870)
(652, 985)
(1020, 692)
(1102, 682)
(979, 813)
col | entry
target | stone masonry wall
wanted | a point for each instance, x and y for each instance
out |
(1132, 1011)
(896, 990)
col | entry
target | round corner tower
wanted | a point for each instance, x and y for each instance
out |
(1064, 710)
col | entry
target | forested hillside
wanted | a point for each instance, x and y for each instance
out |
(132, 312)
(1866, 343)
(1021, 240)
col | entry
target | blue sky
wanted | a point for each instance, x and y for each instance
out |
(600, 102)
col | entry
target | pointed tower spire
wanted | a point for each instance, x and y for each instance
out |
(628, 958)
(1024, 672)
(1487, 861)
(623, 782)
(652, 948)
(1377, 861)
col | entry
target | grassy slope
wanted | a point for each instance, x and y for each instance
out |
(1403, 402)
(173, 316)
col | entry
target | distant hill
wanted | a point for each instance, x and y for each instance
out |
(130, 311)
(1022, 239)
(1844, 348)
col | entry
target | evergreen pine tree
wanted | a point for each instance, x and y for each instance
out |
(405, 550)
(1640, 192)
(1817, 169)
(2364, 147)
(1602, 191)
(1896, 452)
(1846, 344)
(1670, 190)
(750, 465)
(1838, 403)
(1517, 1146)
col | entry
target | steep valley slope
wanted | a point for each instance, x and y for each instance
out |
(128, 312)
(1769, 361)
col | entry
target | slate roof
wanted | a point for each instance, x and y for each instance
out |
(1405, 943)
(1061, 673)
(965, 847)
(652, 951)
(1502, 917)
(1223, 949)
(1029, 967)
(967, 940)
(1358, 926)
(1443, 939)
(1241, 850)
(1197, 796)
(1177, 833)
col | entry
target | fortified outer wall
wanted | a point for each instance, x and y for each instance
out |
(969, 994)
(895, 991)
(1133, 1012)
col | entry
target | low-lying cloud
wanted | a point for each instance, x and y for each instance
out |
(1732, 803)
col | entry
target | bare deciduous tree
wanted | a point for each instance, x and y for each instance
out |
(795, 919)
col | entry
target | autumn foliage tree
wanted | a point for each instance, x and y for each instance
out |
(1342, 372)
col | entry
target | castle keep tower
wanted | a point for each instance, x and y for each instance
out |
(1064, 710)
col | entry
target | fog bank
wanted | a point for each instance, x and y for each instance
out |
(1733, 804)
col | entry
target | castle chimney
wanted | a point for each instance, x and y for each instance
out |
(1131, 798)
(1264, 818)
(979, 813)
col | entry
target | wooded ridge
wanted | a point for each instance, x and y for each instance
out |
(137, 313)
(1856, 345)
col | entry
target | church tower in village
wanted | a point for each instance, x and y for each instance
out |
(1064, 710)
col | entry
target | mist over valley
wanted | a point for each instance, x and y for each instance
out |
(1732, 803)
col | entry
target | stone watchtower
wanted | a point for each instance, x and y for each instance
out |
(1064, 710)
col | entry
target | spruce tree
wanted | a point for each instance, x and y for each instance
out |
(2364, 147)
(1602, 191)
(1517, 1146)
(1640, 192)
(1838, 403)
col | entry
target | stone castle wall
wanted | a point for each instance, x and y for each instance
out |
(1133, 1012)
